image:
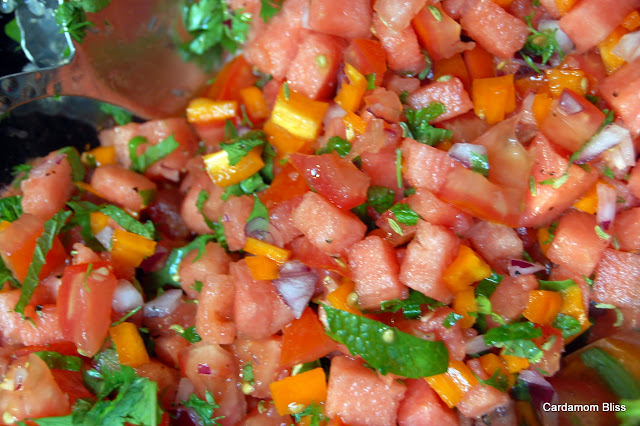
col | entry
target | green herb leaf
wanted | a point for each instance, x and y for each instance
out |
(568, 325)
(59, 361)
(259, 210)
(268, 156)
(238, 148)
(437, 15)
(541, 43)
(315, 412)
(120, 115)
(249, 186)
(487, 286)
(498, 381)
(12, 31)
(533, 188)
(480, 164)
(419, 127)
(204, 409)
(516, 339)
(203, 196)
(230, 131)
(399, 167)
(268, 8)
(371, 81)
(23, 169)
(601, 233)
(77, 168)
(612, 372)
(82, 217)
(631, 415)
(411, 306)
(126, 316)
(247, 373)
(608, 172)
(556, 285)
(10, 208)
(73, 20)
(123, 219)
(385, 348)
(395, 226)
(451, 320)
(153, 153)
(44, 243)
(336, 144)
(7, 275)
(404, 214)
(189, 333)
(619, 315)
(380, 198)
(286, 90)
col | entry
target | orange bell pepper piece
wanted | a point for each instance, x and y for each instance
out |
(466, 269)
(479, 63)
(588, 203)
(612, 61)
(223, 174)
(543, 306)
(102, 155)
(131, 249)
(233, 77)
(204, 110)
(632, 21)
(515, 364)
(98, 221)
(129, 344)
(463, 303)
(254, 103)
(573, 306)
(355, 125)
(454, 66)
(351, 91)
(339, 297)
(260, 248)
(453, 384)
(299, 115)
(299, 390)
(565, 5)
(304, 340)
(262, 268)
(494, 97)
(543, 239)
(558, 80)
(541, 106)
(503, 3)
(283, 141)
(492, 363)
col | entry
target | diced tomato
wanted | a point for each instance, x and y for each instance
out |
(18, 242)
(440, 36)
(368, 57)
(215, 310)
(620, 90)
(615, 280)
(351, 389)
(422, 405)
(84, 317)
(511, 296)
(258, 310)
(264, 357)
(495, 29)
(602, 15)
(569, 130)
(327, 227)
(451, 93)
(347, 19)
(337, 179)
(396, 14)
(70, 382)
(402, 48)
(304, 340)
(233, 77)
(426, 258)
(314, 69)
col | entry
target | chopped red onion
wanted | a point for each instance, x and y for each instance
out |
(462, 152)
(606, 205)
(609, 137)
(164, 304)
(296, 285)
(475, 345)
(105, 236)
(518, 267)
(569, 104)
(126, 297)
(541, 392)
(628, 48)
(258, 228)
(156, 261)
(623, 156)
(204, 369)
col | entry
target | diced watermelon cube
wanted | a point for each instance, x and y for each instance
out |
(616, 283)
(397, 14)
(627, 228)
(453, 337)
(235, 212)
(497, 244)
(621, 90)
(214, 260)
(451, 93)
(48, 187)
(482, 399)
(352, 389)
(403, 50)
(425, 166)
(264, 357)
(422, 406)
(437, 212)
(347, 19)
(510, 298)
(215, 310)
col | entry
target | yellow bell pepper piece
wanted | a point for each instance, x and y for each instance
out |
(339, 298)
(515, 364)
(102, 155)
(129, 344)
(223, 174)
(283, 141)
(98, 221)
(632, 21)
(131, 249)
(299, 115)
(260, 248)
(453, 384)
(463, 303)
(612, 61)
(350, 94)
(354, 124)
(466, 269)
(205, 110)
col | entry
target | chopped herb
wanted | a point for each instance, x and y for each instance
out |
(7, 275)
(399, 167)
(203, 196)
(568, 325)
(77, 168)
(120, 115)
(268, 156)
(371, 81)
(592, 98)
(286, 90)
(247, 373)
(385, 348)
(487, 286)
(424, 74)
(82, 217)
(204, 409)
(17, 170)
(619, 315)
(608, 172)
(130, 224)
(189, 333)
(556, 285)
(588, 280)
(533, 188)
(71, 16)
(140, 163)
(409, 191)
(541, 43)
(419, 128)
(612, 372)
(148, 196)
(314, 412)
(59, 361)
(230, 131)
(404, 214)
(240, 147)
(480, 164)
(12, 31)
(126, 316)
(437, 15)
(197, 286)
(214, 28)
(249, 186)
(268, 8)
(10, 208)
(52, 228)
(259, 210)
(395, 226)
(497, 380)
(601, 234)
(451, 320)
(551, 231)
(515, 338)
(546, 346)
(338, 145)
(556, 182)
(631, 415)
(484, 307)
(411, 306)
(380, 198)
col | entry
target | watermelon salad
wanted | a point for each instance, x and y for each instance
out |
(378, 212)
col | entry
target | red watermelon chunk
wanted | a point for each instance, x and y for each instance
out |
(511, 296)
(121, 186)
(264, 357)
(440, 36)
(425, 166)
(354, 389)
(621, 90)
(497, 244)
(347, 19)
(426, 258)
(482, 399)
(397, 14)
(451, 93)
(437, 212)
(627, 228)
(616, 283)
(235, 212)
(214, 260)
(375, 271)
(215, 310)
(402, 48)
(422, 406)
(453, 337)
(48, 187)
(634, 180)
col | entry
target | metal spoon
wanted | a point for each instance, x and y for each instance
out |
(129, 58)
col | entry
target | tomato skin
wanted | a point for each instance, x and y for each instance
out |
(84, 304)
(337, 179)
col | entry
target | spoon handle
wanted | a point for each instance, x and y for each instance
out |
(20, 88)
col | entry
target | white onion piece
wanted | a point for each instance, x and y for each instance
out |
(296, 285)
(105, 237)
(126, 297)
(462, 152)
(565, 43)
(606, 205)
(623, 156)
(518, 267)
(185, 389)
(609, 137)
(628, 48)
(569, 104)
(164, 304)
(475, 345)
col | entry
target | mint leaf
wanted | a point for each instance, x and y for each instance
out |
(556, 285)
(203, 196)
(249, 186)
(82, 217)
(77, 168)
(385, 348)
(404, 214)
(268, 8)
(12, 31)
(568, 325)
(140, 163)
(236, 149)
(418, 126)
(497, 380)
(52, 228)
(631, 416)
(247, 373)
(487, 286)
(59, 361)
(380, 198)
(7, 275)
(612, 372)
(190, 334)
(120, 115)
(123, 219)
(451, 320)
(10, 208)
(411, 306)
(268, 156)
(480, 164)
(259, 210)
(516, 339)
(336, 144)
(23, 169)
(541, 43)
(315, 412)
(204, 409)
